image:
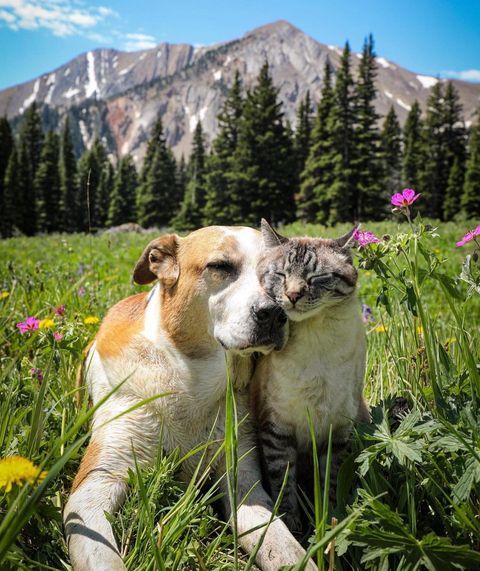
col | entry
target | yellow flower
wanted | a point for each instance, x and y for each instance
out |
(450, 340)
(381, 328)
(16, 470)
(4, 294)
(91, 320)
(419, 329)
(46, 323)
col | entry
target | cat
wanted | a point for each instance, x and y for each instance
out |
(322, 367)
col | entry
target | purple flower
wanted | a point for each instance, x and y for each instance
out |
(469, 236)
(81, 291)
(60, 310)
(57, 336)
(81, 269)
(30, 324)
(366, 313)
(405, 198)
(37, 374)
(365, 238)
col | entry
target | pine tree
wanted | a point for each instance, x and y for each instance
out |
(454, 139)
(366, 161)
(191, 210)
(157, 195)
(317, 176)
(391, 148)
(12, 190)
(122, 207)
(68, 182)
(303, 135)
(263, 174)
(94, 175)
(220, 205)
(413, 149)
(47, 186)
(181, 178)
(6, 147)
(30, 148)
(471, 189)
(343, 192)
(433, 179)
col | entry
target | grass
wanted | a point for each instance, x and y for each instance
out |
(408, 495)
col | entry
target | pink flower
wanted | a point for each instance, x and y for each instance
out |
(30, 324)
(365, 238)
(37, 374)
(81, 291)
(469, 236)
(405, 198)
(60, 310)
(57, 336)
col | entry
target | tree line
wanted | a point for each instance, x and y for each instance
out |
(339, 164)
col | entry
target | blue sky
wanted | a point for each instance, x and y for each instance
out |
(427, 36)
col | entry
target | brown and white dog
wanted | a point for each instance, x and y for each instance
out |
(208, 304)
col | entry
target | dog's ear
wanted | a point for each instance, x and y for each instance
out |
(271, 239)
(159, 261)
(347, 240)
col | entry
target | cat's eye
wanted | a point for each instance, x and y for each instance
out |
(280, 274)
(221, 266)
(320, 279)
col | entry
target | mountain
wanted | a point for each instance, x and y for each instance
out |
(118, 95)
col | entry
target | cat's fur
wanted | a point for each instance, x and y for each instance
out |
(322, 367)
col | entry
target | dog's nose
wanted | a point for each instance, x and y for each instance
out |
(269, 315)
(293, 296)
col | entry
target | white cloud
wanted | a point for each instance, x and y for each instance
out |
(61, 17)
(71, 18)
(466, 75)
(135, 42)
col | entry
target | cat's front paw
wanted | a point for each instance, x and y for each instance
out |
(293, 521)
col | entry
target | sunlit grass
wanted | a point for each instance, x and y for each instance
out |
(409, 496)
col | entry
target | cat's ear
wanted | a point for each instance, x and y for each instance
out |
(271, 239)
(348, 239)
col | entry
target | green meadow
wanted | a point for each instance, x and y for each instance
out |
(408, 494)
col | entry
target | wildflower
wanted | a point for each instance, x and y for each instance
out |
(366, 313)
(91, 320)
(405, 198)
(46, 323)
(30, 324)
(4, 294)
(469, 236)
(365, 238)
(419, 329)
(60, 310)
(37, 374)
(57, 336)
(381, 328)
(16, 470)
(81, 291)
(81, 269)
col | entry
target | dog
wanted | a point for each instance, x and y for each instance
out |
(207, 306)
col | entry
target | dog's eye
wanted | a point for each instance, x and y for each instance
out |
(221, 266)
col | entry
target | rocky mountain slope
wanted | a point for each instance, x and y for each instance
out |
(118, 95)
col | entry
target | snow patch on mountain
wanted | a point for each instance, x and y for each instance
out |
(403, 104)
(427, 81)
(92, 85)
(31, 98)
(71, 92)
(217, 75)
(385, 63)
(388, 94)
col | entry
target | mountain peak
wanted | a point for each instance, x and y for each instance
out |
(279, 26)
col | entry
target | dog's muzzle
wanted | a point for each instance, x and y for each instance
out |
(270, 321)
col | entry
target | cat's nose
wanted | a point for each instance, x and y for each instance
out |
(293, 296)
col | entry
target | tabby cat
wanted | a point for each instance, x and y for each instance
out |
(322, 367)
